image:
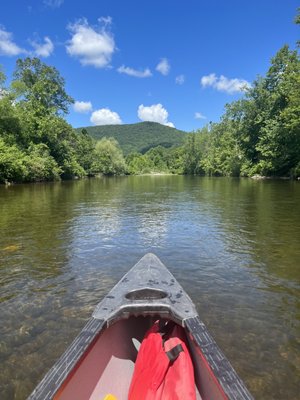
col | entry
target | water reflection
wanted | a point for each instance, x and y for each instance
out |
(94, 227)
(153, 227)
(233, 244)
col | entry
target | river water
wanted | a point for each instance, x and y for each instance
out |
(234, 245)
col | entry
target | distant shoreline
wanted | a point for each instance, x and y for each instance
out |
(254, 177)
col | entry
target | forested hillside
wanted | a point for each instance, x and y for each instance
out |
(139, 137)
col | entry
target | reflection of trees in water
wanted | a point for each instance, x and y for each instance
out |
(152, 198)
(116, 204)
(33, 220)
(260, 225)
(259, 219)
(96, 220)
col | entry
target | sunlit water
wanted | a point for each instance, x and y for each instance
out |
(233, 244)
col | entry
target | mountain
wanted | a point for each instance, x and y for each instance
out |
(139, 137)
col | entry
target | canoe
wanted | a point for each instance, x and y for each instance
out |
(101, 359)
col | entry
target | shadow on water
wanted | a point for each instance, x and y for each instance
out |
(232, 243)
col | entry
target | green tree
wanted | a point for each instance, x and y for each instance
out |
(85, 150)
(10, 124)
(221, 154)
(174, 159)
(191, 155)
(44, 145)
(157, 157)
(109, 159)
(138, 163)
(266, 123)
(194, 150)
(40, 165)
(278, 143)
(40, 87)
(12, 166)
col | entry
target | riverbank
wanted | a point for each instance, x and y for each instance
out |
(254, 177)
(282, 178)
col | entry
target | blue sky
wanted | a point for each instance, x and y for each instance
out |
(171, 61)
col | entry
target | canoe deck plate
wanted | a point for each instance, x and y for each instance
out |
(148, 288)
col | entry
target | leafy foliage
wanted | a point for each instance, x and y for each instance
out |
(109, 158)
(37, 144)
(138, 163)
(12, 166)
(259, 134)
(40, 165)
(40, 87)
(267, 123)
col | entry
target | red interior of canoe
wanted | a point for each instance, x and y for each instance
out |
(108, 364)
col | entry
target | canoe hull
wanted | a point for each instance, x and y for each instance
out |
(107, 344)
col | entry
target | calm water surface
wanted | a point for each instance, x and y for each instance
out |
(233, 244)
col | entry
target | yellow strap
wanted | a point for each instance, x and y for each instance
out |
(110, 397)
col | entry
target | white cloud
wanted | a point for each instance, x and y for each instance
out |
(232, 85)
(7, 45)
(92, 46)
(105, 116)
(133, 72)
(209, 80)
(224, 84)
(180, 79)
(199, 115)
(106, 21)
(43, 50)
(154, 113)
(9, 48)
(53, 3)
(82, 107)
(170, 124)
(163, 66)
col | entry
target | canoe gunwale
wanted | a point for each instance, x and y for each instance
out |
(65, 365)
(221, 370)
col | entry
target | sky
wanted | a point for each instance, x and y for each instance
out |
(170, 61)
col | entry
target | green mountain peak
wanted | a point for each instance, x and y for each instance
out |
(138, 137)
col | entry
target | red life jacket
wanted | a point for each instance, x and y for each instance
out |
(163, 369)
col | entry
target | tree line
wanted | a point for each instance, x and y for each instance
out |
(258, 134)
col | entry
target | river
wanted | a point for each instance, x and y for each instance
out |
(234, 245)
